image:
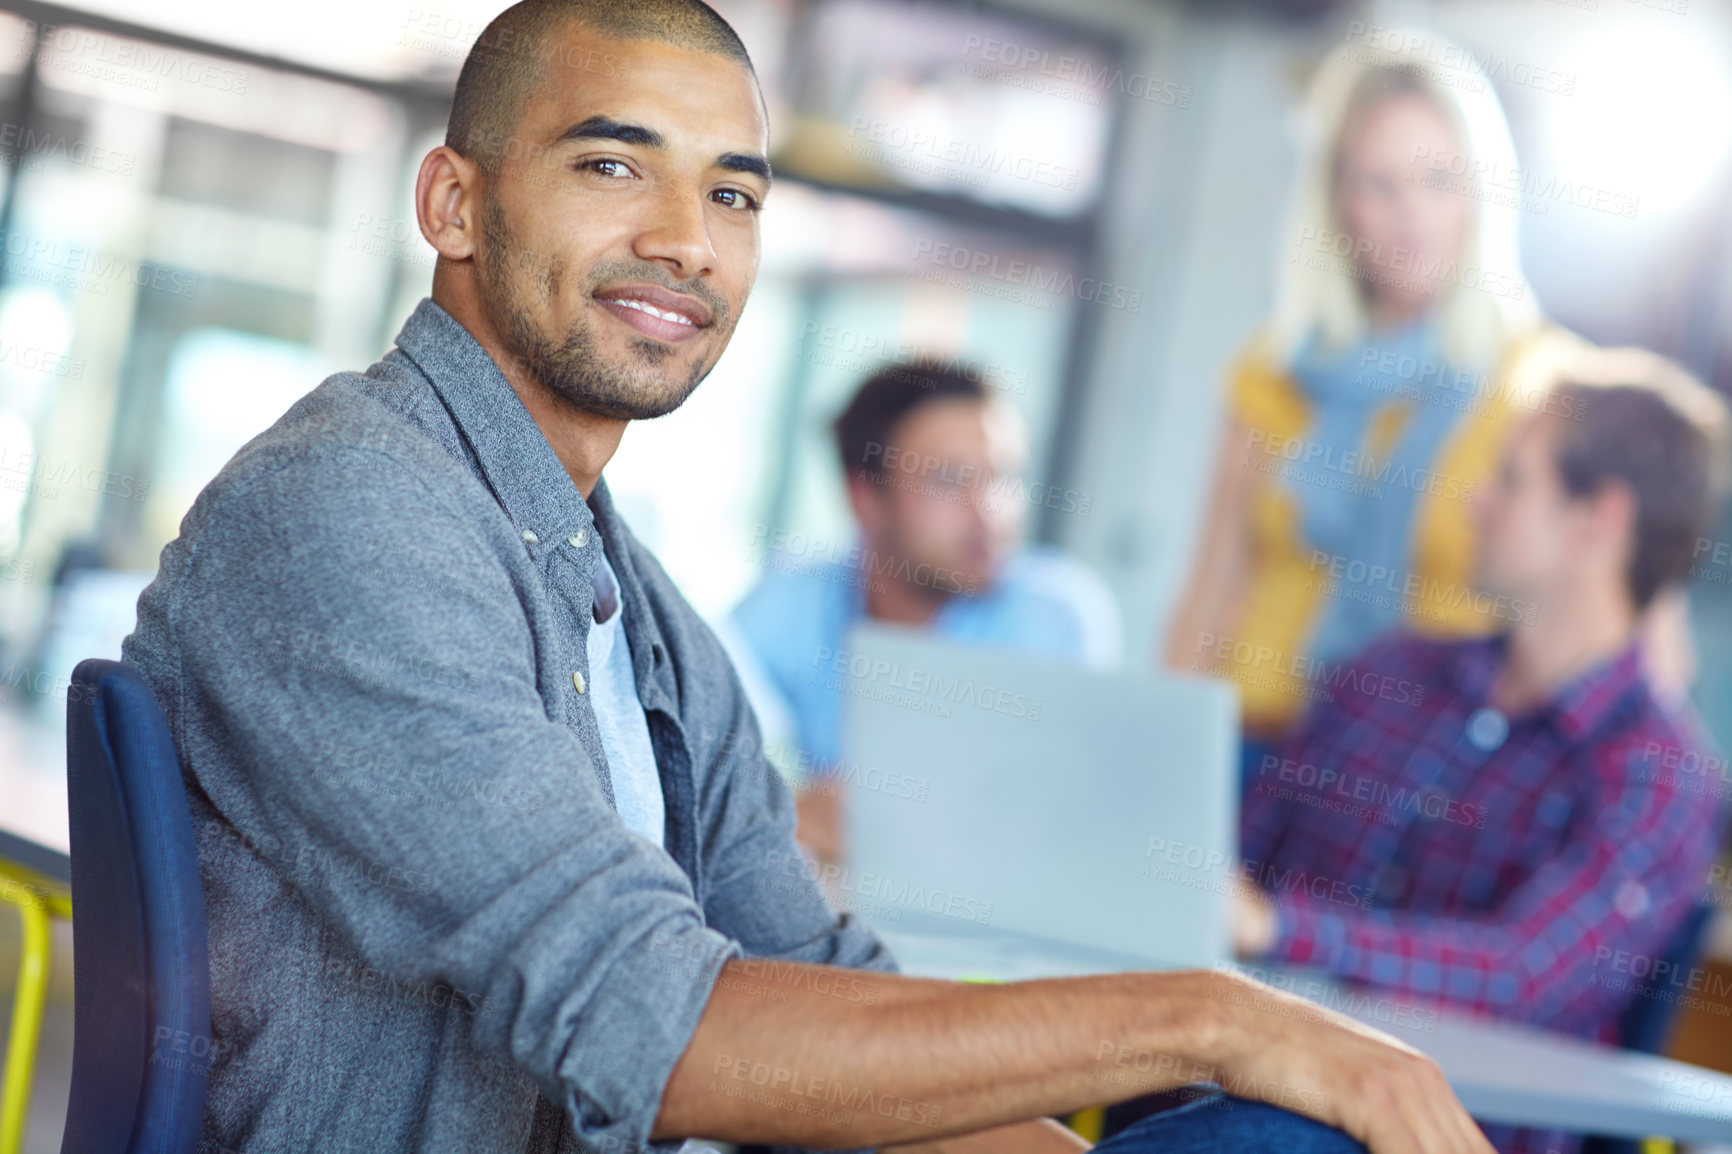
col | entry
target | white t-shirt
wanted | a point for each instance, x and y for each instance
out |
(631, 759)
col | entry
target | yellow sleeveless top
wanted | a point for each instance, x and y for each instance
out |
(1289, 584)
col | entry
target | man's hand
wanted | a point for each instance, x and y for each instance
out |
(1293, 1053)
(1253, 920)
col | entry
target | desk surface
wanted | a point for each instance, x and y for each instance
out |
(1501, 1072)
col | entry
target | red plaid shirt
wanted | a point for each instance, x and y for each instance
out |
(1527, 867)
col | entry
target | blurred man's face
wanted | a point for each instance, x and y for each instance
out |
(620, 238)
(1389, 195)
(952, 497)
(1533, 536)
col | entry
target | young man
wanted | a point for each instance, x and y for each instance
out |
(472, 887)
(933, 467)
(1491, 823)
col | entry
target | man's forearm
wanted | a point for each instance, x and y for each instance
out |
(827, 1057)
(779, 1057)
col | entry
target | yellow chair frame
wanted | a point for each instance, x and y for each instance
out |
(38, 899)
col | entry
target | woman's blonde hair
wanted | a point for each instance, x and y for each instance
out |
(1485, 301)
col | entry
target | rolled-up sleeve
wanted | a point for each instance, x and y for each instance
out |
(335, 607)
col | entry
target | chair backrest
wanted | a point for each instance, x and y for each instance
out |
(1646, 1024)
(1647, 1021)
(141, 976)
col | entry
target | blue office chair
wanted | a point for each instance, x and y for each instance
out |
(141, 976)
(1646, 1024)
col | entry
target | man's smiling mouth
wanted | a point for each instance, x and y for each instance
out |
(677, 318)
(656, 312)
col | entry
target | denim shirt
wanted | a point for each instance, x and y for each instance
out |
(429, 928)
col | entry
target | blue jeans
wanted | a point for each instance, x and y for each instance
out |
(1214, 1123)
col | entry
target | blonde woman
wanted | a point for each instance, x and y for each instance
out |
(1365, 414)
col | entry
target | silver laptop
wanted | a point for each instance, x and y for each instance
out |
(1019, 817)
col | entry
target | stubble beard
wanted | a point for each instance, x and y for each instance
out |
(571, 368)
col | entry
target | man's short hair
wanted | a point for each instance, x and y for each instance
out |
(518, 49)
(1646, 421)
(885, 400)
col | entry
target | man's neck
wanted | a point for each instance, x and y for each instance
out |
(583, 442)
(900, 602)
(1569, 634)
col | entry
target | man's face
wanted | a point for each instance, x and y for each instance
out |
(619, 238)
(951, 497)
(1532, 534)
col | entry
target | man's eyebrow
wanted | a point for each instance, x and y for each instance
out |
(745, 162)
(607, 128)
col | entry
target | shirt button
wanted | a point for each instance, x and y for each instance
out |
(577, 680)
(578, 539)
(529, 535)
(1631, 900)
(1488, 728)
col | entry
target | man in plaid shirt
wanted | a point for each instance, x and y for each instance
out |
(1514, 824)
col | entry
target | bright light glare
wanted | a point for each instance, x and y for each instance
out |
(35, 333)
(36, 318)
(1650, 117)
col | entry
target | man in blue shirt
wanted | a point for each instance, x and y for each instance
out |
(933, 466)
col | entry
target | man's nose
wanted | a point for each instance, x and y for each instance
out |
(677, 235)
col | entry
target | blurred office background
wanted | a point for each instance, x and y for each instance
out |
(206, 209)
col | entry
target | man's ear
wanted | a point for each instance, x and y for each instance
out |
(1612, 516)
(867, 501)
(448, 203)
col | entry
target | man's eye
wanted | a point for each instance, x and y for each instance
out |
(734, 198)
(602, 166)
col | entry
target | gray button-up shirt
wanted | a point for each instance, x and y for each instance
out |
(429, 929)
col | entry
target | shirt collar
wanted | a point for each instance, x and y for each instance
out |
(1474, 666)
(528, 481)
(649, 648)
(606, 591)
(1578, 706)
(1582, 703)
(537, 494)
